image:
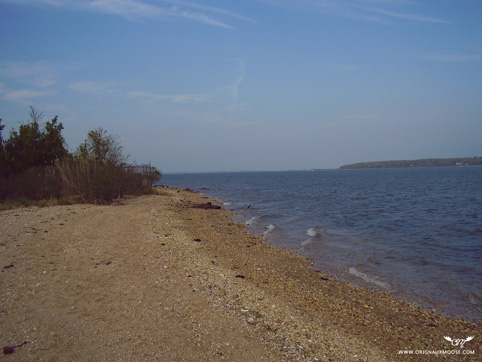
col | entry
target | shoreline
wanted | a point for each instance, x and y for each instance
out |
(159, 278)
(349, 274)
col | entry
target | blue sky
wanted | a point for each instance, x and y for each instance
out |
(250, 84)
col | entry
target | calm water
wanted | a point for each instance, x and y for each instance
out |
(414, 232)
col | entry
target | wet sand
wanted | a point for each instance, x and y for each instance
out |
(155, 278)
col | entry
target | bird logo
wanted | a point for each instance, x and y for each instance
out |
(459, 342)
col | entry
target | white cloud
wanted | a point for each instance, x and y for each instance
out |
(209, 9)
(25, 95)
(126, 8)
(172, 98)
(95, 87)
(380, 11)
(237, 83)
(38, 74)
(35, 78)
(203, 18)
(137, 9)
(233, 88)
(230, 90)
(408, 16)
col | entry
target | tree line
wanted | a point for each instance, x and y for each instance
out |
(36, 164)
(426, 162)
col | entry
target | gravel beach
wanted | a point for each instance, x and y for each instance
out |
(171, 277)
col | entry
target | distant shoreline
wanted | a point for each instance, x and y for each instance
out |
(426, 162)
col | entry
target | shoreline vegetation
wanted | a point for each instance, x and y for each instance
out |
(36, 165)
(427, 162)
(172, 277)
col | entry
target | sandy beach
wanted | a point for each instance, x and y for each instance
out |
(171, 277)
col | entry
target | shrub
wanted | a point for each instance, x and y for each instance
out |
(35, 165)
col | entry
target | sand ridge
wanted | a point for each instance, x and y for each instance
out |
(156, 279)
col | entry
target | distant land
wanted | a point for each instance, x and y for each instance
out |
(427, 162)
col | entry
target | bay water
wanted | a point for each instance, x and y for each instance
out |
(415, 233)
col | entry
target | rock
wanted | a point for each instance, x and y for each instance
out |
(206, 206)
(8, 350)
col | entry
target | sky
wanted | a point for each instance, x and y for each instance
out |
(224, 85)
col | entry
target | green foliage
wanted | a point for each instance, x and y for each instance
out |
(33, 146)
(98, 172)
(152, 176)
(3, 156)
(35, 165)
(35, 183)
(97, 182)
(101, 146)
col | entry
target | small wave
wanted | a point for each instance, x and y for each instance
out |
(269, 229)
(315, 232)
(368, 279)
(311, 232)
(252, 220)
(227, 203)
(475, 298)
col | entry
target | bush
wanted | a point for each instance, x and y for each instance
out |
(35, 165)
(100, 182)
(33, 145)
(35, 183)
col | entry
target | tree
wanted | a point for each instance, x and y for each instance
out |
(2, 126)
(53, 143)
(97, 172)
(33, 146)
(3, 157)
(103, 147)
(35, 164)
(152, 176)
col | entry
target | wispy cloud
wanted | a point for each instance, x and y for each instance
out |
(231, 91)
(380, 11)
(233, 88)
(140, 9)
(25, 81)
(126, 8)
(237, 83)
(209, 9)
(407, 16)
(173, 98)
(200, 17)
(27, 95)
(38, 74)
(95, 87)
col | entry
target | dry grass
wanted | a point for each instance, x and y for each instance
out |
(24, 202)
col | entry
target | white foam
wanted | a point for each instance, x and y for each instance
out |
(316, 231)
(312, 232)
(368, 279)
(307, 242)
(252, 220)
(269, 229)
